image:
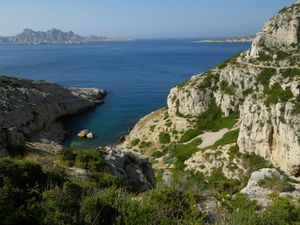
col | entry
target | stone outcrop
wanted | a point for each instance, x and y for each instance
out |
(32, 110)
(130, 166)
(262, 184)
(282, 31)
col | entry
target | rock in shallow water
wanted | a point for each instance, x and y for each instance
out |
(90, 135)
(83, 133)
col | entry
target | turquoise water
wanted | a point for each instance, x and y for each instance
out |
(137, 76)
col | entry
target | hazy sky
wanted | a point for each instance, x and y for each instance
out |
(140, 18)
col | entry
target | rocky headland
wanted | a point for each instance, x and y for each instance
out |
(238, 117)
(32, 111)
(248, 38)
(54, 36)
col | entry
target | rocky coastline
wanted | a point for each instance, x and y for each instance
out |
(32, 112)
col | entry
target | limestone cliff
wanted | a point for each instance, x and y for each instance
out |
(262, 85)
(32, 109)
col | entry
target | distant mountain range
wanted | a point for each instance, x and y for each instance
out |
(248, 38)
(53, 36)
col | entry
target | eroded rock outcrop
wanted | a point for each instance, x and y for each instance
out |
(130, 166)
(32, 110)
(266, 181)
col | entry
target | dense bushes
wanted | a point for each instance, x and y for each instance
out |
(213, 119)
(276, 94)
(164, 138)
(189, 135)
(26, 198)
(265, 76)
(242, 211)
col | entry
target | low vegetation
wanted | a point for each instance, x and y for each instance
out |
(164, 138)
(291, 72)
(135, 142)
(276, 94)
(181, 152)
(229, 90)
(265, 76)
(189, 135)
(278, 185)
(214, 120)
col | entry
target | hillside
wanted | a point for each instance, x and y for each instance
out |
(243, 109)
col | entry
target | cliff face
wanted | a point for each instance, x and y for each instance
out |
(32, 109)
(282, 31)
(263, 84)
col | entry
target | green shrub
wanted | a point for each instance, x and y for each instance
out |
(276, 94)
(213, 120)
(21, 184)
(228, 138)
(220, 183)
(189, 135)
(282, 55)
(62, 205)
(90, 160)
(151, 129)
(164, 138)
(135, 142)
(291, 72)
(253, 163)
(233, 152)
(157, 154)
(224, 86)
(145, 144)
(171, 206)
(275, 184)
(208, 80)
(100, 208)
(280, 212)
(265, 57)
(265, 76)
(182, 152)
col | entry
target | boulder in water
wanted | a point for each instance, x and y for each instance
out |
(90, 135)
(83, 133)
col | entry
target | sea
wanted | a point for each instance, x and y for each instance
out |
(137, 76)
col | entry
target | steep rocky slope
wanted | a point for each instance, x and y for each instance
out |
(31, 110)
(255, 94)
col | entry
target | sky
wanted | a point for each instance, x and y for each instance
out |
(140, 18)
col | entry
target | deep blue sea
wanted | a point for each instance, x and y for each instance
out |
(137, 76)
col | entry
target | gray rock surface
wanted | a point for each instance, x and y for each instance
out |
(32, 110)
(130, 166)
(261, 194)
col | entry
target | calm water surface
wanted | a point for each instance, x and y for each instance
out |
(137, 76)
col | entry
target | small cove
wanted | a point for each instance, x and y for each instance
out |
(137, 76)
